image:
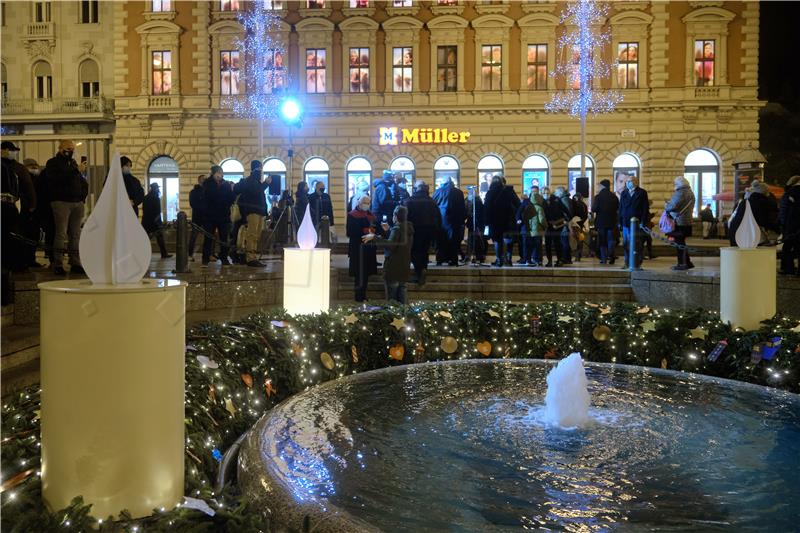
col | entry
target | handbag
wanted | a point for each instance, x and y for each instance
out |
(236, 213)
(666, 223)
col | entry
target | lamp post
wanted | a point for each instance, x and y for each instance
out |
(291, 113)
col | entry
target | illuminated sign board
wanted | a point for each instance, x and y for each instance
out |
(395, 136)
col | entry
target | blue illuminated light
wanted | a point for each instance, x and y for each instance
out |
(583, 45)
(291, 111)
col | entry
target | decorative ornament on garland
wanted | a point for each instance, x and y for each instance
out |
(397, 352)
(208, 363)
(449, 345)
(269, 390)
(664, 363)
(247, 379)
(354, 353)
(717, 351)
(494, 313)
(326, 360)
(398, 323)
(698, 333)
(601, 333)
(212, 393)
(230, 407)
(536, 325)
(484, 348)
(605, 310)
(765, 350)
(565, 318)
(643, 310)
(419, 353)
(351, 319)
(279, 323)
(552, 353)
(297, 349)
(445, 314)
(649, 325)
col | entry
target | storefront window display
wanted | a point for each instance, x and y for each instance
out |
(275, 167)
(574, 172)
(359, 179)
(625, 166)
(488, 166)
(316, 169)
(701, 169)
(164, 171)
(446, 168)
(404, 166)
(535, 171)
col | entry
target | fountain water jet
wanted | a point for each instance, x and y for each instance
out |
(567, 398)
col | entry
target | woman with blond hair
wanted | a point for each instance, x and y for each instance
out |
(680, 208)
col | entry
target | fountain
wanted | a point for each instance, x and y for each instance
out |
(471, 446)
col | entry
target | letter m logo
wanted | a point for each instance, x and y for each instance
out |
(388, 136)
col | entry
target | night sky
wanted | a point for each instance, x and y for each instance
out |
(779, 61)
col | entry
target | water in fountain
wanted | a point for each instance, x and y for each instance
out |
(567, 398)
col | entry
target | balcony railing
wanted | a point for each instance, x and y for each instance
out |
(40, 30)
(706, 92)
(56, 106)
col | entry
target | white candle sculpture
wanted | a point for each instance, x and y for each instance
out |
(306, 234)
(748, 234)
(306, 273)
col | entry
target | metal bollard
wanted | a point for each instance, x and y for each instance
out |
(632, 245)
(181, 244)
(325, 232)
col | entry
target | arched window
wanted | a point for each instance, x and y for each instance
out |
(42, 80)
(625, 166)
(701, 168)
(574, 172)
(4, 78)
(233, 169)
(535, 171)
(488, 166)
(404, 166)
(89, 75)
(164, 171)
(359, 180)
(445, 169)
(275, 167)
(316, 169)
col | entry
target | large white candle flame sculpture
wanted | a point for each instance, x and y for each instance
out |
(306, 234)
(748, 234)
(114, 247)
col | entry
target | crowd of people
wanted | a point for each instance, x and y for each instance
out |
(549, 228)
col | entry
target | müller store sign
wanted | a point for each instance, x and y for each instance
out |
(395, 136)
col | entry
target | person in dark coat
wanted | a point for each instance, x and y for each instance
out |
(580, 214)
(453, 209)
(680, 207)
(524, 213)
(424, 215)
(396, 271)
(25, 225)
(253, 208)
(300, 204)
(321, 205)
(476, 226)
(501, 205)
(151, 218)
(132, 184)
(198, 204)
(565, 205)
(789, 218)
(219, 196)
(68, 191)
(401, 195)
(556, 222)
(42, 216)
(605, 208)
(764, 206)
(383, 201)
(633, 203)
(362, 259)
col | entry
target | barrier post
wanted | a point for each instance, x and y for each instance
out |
(181, 244)
(632, 245)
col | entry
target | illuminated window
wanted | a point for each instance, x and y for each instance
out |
(537, 67)
(315, 4)
(163, 170)
(402, 69)
(162, 5)
(701, 169)
(316, 170)
(446, 2)
(315, 70)
(404, 166)
(488, 167)
(89, 11)
(233, 170)
(446, 73)
(275, 79)
(491, 67)
(704, 63)
(359, 180)
(229, 5)
(445, 169)
(273, 4)
(359, 70)
(535, 172)
(628, 65)
(574, 171)
(162, 72)
(359, 3)
(402, 3)
(229, 72)
(625, 166)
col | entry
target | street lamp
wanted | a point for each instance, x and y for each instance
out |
(291, 113)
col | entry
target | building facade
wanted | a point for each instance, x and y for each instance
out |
(434, 89)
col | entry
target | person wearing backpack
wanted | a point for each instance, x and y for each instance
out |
(680, 207)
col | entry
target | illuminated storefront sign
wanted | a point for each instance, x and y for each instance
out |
(395, 136)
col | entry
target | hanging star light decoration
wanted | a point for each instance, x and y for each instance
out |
(583, 47)
(265, 59)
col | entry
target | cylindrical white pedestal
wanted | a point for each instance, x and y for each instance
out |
(112, 364)
(747, 286)
(306, 280)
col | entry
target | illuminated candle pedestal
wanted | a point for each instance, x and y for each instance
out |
(112, 373)
(306, 280)
(747, 286)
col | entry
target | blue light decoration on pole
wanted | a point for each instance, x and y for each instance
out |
(291, 111)
(265, 65)
(583, 45)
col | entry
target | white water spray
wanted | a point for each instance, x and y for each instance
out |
(567, 398)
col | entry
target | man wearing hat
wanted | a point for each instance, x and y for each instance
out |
(68, 191)
(253, 207)
(605, 208)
